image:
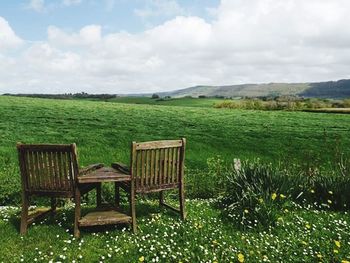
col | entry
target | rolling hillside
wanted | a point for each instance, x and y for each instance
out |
(330, 89)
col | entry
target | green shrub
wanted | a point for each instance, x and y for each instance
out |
(256, 192)
(346, 103)
(253, 196)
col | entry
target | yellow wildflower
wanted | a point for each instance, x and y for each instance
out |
(240, 257)
(142, 259)
(246, 211)
(337, 243)
(345, 261)
(336, 251)
(273, 196)
(304, 243)
(319, 256)
(286, 210)
(308, 226)
(312, 191)
(282, 196)
(330, 192)
(261, 200)
(215, 242)
(329, 201)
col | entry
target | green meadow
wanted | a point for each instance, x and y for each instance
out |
(186, 101)
(103, 131)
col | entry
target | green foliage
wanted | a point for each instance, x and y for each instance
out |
(346, 103)
(275, 104)
(254, 194)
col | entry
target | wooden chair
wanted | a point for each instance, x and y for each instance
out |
(155, 166)
(51, 170)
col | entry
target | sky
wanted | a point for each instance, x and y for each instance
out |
(146, 46)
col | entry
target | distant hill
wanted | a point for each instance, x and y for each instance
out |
(330, 89)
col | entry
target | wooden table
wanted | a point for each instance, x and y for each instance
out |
(105, 215)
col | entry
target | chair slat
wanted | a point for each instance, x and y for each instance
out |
(148, 168)
(138, 168)
(60, 170)
(56, 166)
(41, 165)
(49, 171)
(142, 167)
(151, 181)
(166, 164)
(156, 166)
(37, 171)
(70, 169)
(170, 159)
(173, 168)
(178, 165)
(161, 165)
(33, 180)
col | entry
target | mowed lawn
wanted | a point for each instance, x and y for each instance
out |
(103, 131)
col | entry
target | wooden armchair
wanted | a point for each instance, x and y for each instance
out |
(51, 170)
(155, 166)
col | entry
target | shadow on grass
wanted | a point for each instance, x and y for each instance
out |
(64, 217)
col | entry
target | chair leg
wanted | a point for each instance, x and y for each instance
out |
(182, 202)
(117, 194)
(161, 198)
(24, 214)
(53, 205)
(133, 208)
(77, 212)
(98, 195)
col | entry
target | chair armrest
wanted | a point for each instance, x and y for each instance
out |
(90, 168)
(123, 168)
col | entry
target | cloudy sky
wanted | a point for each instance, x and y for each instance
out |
(129, 46)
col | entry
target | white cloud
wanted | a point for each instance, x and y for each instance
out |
(8, 38)
(88, 35)
(247, 41)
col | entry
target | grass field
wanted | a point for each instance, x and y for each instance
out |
(332, 110)
(185, 102)
(103, 132)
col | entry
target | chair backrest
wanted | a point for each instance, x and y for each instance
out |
(48, 168)
(157, 165)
